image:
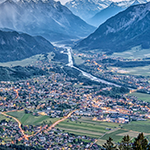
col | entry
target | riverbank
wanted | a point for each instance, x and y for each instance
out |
(93, 78)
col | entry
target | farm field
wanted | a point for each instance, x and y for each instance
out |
(140, 126)
(88, 127)
(144, 70)
(134, 53)
(28, 119)
(132, 129)
(97, 129)
(141, 96)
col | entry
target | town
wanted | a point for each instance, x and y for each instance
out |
(55, 95)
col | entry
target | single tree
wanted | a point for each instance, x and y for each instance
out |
(125, 144)
(140, 143)
(109, 145)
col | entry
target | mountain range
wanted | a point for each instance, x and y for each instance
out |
(46, 18)
(87, 8)
(111, 10)
(122, 32)
(96, 12)
(17, 46)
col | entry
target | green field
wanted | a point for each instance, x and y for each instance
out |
(97, 129)
(134, 53)
(141, 96)
(78, 60)
(28, 61)
(144, 70)
(2, 117)
(29, 119)
(140, 126)
(114, 135)
(86, 126)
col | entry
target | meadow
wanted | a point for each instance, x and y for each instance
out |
(134, 53)
(103, 130)
(78, 60)
(86, 126)
(141, 96)
(29, 119)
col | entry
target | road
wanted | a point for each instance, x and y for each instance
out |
(51, 127)
(19, 124)
(57, 122)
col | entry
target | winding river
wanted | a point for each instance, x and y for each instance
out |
(70, 64)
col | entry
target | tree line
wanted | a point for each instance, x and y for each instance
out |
(127, 143)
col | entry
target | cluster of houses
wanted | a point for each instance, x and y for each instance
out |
(102, 70)
(53, 139)
(55, 95)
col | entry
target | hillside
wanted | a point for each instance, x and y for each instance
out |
(47, 18)
(17, 46)
(19, 73)
(112, 10)
(127, 29)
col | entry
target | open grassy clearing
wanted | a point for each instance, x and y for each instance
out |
(100, 123)
(132, 129)
(83, 127)
(140, 126)
(97, 129)
(83, 134)
(28, 61)
(132, 134)
(2, 117)
(141, 96)
(78, 60)
(134, 53)
(86, 126)
(101, 142)
(144, 70)
(114, 135)
(82, 131)
(29, 119)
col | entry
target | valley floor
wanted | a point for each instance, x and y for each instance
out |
(78, 104)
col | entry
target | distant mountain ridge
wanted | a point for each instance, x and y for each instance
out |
(46, 18)
(111, 10)
(87, 8)
(96, 12)
(122, 32)
(17, 46)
